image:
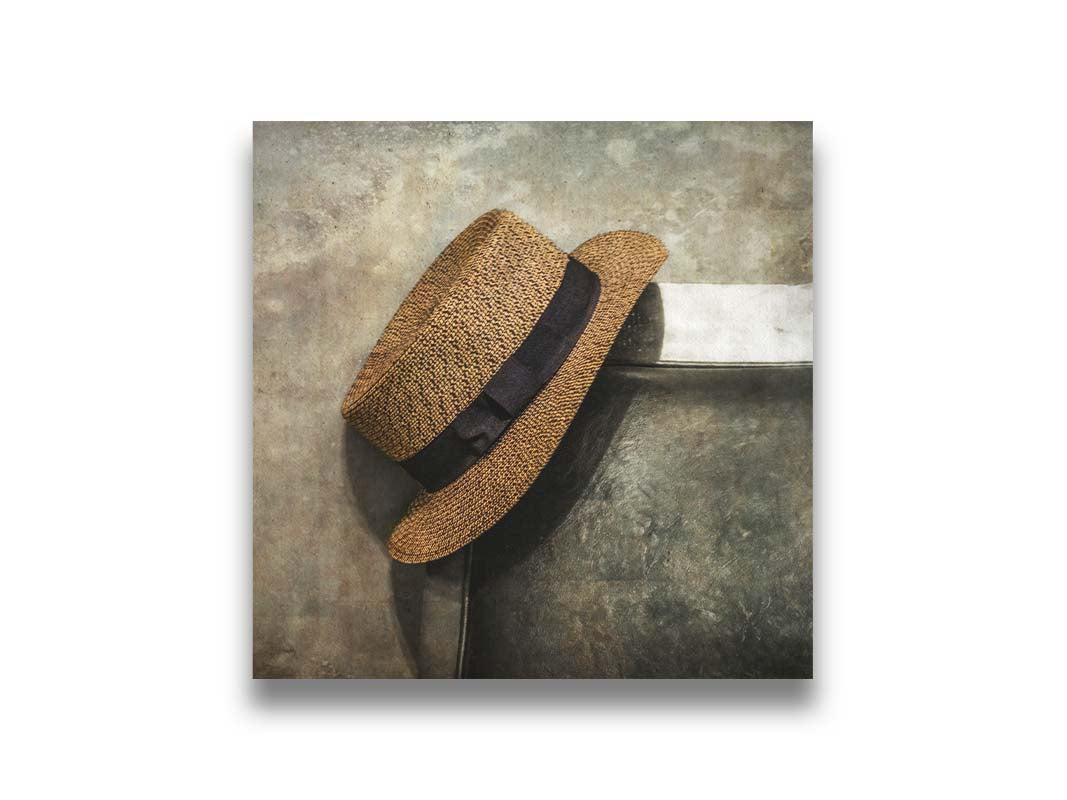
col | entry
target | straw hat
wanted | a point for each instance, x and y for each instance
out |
(482, 368)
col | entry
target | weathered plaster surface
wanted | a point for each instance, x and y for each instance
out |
(670, 536)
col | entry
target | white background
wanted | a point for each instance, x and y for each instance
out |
(939, 249)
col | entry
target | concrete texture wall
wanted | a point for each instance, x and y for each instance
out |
(346, 217)
(669, 537)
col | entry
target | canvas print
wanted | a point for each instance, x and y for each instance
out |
(532, 400)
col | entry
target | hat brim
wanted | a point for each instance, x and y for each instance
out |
(439, 523)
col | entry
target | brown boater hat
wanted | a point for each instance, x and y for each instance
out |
(482, 368)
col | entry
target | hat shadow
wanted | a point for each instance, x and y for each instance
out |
(563, 481)
(383, 490)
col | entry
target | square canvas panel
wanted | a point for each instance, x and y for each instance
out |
(670, 534)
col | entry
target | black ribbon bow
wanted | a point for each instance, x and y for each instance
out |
(477, 428)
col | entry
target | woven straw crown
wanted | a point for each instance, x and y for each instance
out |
(469, 312)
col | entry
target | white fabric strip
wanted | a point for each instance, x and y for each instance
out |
(736, 323)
